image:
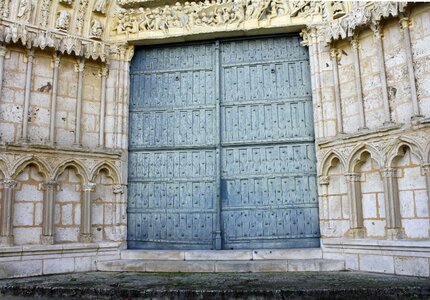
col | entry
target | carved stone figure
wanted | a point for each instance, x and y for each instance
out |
(66, 2)
(24, 10)
(63, 20)
(44, 12)
(100, 6)
(96, 28)
(80, 16)
(338, 9)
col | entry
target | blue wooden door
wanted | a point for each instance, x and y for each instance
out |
(269, 197)
(172, 160)
(221, 147)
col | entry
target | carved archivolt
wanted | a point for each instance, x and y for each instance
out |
(363, 14)
(30, 37)
(189, 15)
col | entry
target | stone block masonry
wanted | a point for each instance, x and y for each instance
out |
(64, 89)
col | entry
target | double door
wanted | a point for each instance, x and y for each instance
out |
(221, 146)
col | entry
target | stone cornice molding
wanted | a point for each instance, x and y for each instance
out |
(359, 17)
(32, 36)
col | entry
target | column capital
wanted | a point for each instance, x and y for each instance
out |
(9, 183)
(118, 189)
(104, 71)
(29, 55)
(405, 22)
(80, 65)
(3, 51)
(50, 185)
(426, 169)
(56, 58)
(306, 35)
(334, 53)
(355, 44)
(324, 180)
(389, 172)
(89, 187)
(353, 177)
(376, 29)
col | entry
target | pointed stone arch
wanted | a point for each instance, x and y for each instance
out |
(328, 161)
(357, 155)
(427, 154)
(105, 202)
(397, 148)
(74, 163)
(21, 164)
(112, 171)
(4, 167)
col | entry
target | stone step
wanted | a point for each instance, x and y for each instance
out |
(238, 266)
(205, 255)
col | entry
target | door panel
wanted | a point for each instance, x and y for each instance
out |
(268, 158)
(172, 159)
(254, 146)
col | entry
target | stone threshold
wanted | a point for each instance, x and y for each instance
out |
(419, 248)
(214, 261)
(221, 266)
(215, 255)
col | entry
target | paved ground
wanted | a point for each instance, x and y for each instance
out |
(323, 285)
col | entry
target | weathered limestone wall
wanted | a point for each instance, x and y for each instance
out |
(374, 138)
(63, 137)
(64, 119)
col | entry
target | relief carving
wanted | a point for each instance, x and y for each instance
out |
(209, 13)
(337, 9)
(66, 2)
(63, 20)
(96, 29)
(25, 9)
(4, 8)
(100, 6)
(44, 12)
(81, 16)
(344, 25)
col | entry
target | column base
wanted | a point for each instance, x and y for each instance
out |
(50, 143)
(388, 124)
(356, 233)
(416, 119)
(85, 238)
(6, 240)
(394, 233)
(47, 239)
(24, 140)
(78, 145)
